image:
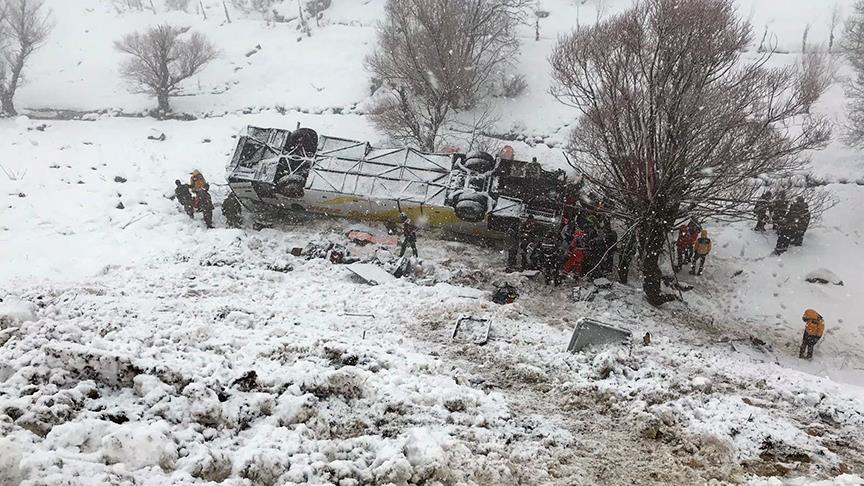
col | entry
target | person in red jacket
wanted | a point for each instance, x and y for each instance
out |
(687, 236)
(576, 255)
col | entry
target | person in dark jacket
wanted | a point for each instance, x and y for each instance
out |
(184, 197)
(607, 265)
(512, 246)
(594, 257)
(527, 236)
(231, 209)
(550, 259)
(205, 204)
(761, 210)
(797, 221)
(409, 234)
(778, 209)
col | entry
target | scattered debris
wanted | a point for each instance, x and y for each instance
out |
(363, 238)
(504, 294)
(120, 179)
(370, 274)
(156, 135)
(403, 266)
(602, 283)
(583, 294)
(590, 332)
(479, 333)
(823, 276)
(281, 267)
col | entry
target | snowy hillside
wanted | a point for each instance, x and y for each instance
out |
(137, 348)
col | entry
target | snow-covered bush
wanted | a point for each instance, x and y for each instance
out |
(177, 4)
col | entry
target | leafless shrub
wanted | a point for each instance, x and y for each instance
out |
(852, 44)
(836, 19)
(676, 124)
(24, 26)
(261, 6)
(177, 5)
(437, 59)
(160, 59)
(513, 86)
(126, 5)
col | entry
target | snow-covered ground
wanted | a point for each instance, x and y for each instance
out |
(128, 336)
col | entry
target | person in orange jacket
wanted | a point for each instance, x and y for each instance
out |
(197, 181)
(813, 330)
(700, 250)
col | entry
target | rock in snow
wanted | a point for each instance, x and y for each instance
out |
(823, 276)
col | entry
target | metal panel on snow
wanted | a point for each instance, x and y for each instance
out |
(591, 332)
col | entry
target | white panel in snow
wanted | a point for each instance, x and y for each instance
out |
(369, 273)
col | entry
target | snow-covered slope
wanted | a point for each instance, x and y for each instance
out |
(128, 332)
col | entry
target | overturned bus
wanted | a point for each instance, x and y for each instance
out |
(274, 169)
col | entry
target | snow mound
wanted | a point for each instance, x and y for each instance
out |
(10, 463)
(823, 276)
(14, 311)
(140, 445)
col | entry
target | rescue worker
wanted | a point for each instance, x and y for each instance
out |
(700, 250)
(687, 236)
(409, 234)
(576, 254)
(549, 260)
(512, 246)
(611, 246)
(184, 197)
(197, 181)
(527, 235)
(205, 204)
(778, 209)
(231, 209)
(814, 328)
(797, 221)
(594, 256)
(761, 210)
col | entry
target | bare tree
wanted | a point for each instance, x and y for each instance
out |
(160, 59)
(836, 18)
(852, 44)
(437, 58)
(24, 26)
(675, 124)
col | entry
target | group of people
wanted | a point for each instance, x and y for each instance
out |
(195, 197)
(790, 221)
(583, 246)
(692, 246)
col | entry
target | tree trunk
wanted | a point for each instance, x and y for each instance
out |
(625, 257)
(164, 104)
(652, 239)
(7, 106)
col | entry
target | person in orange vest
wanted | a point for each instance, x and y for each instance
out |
(197, 181)
(813, 330)
(701, 249)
